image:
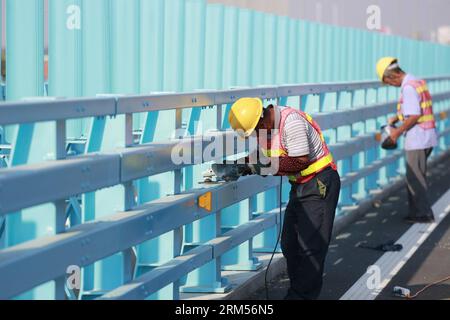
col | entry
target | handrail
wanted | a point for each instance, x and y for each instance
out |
(115, 233)
(123, 165)
(26, 112)
(93, 241)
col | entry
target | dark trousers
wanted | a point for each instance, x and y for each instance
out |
(308, 225)
(416, 181)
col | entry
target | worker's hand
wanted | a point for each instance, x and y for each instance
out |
(395, 134)
(245, 170)
(393, 120)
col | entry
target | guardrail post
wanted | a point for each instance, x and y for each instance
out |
(207, 278)
(241, 257)
(106, 134)
(60, 205)
(345, 165)
(381, 121)
(444, 105)
(392, 170)
(31, 143)
(65, 78)
(167, 29)
(159, 127)
(358, 160)
(373, 153)
(264, 202)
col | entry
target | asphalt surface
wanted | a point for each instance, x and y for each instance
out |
(346, 262)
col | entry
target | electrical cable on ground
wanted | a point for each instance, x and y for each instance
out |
(278, 239)
(411, 297)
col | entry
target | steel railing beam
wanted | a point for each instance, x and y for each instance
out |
(93, 241)
(143, 286)
(30, 112)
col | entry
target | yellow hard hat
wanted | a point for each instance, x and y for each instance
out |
(383, 64)
(245, 115)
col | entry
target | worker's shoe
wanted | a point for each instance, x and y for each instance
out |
(425, 219)
(291, 295)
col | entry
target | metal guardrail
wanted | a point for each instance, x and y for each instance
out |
(60, 109)
(93, 241)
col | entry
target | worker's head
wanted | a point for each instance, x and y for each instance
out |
(389, 71)
(248, 115)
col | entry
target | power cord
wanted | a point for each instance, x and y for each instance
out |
(278, 239)
(408, 296)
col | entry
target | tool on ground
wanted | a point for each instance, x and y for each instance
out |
(406, 293)
(401, 292)
(390, 246)
(384, 137)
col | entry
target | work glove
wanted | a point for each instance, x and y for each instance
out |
(231, 172)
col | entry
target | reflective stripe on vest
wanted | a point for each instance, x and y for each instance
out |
(427, 120)
(320, 164)
(315, 167)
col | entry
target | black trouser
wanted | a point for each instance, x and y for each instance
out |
(308, 224)
(416, 181)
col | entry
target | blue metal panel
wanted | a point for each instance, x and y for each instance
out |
(160, 126)
(282, 50)
(312, 52)
(303, 51)
(245, 46)
(259, 49)
(96, 73)
(292, 49)
(214, 44)
(241, 258)
(208, 277)
(25, 78)
(371, 98)
(125, 49)
(65, 55)
(31, 143)
(270, 31)
(151, 46)
(230, 47)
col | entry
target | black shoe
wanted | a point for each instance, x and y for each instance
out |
(425, 219)
(291, 295)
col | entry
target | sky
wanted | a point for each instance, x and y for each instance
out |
(416, 19)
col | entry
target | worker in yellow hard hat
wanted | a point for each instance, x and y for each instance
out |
(294, 142)
(415, 112)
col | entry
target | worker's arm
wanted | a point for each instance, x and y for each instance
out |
(407, 124)
(283, 166)
(393, 120)
(292, 166)
(411, 110)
